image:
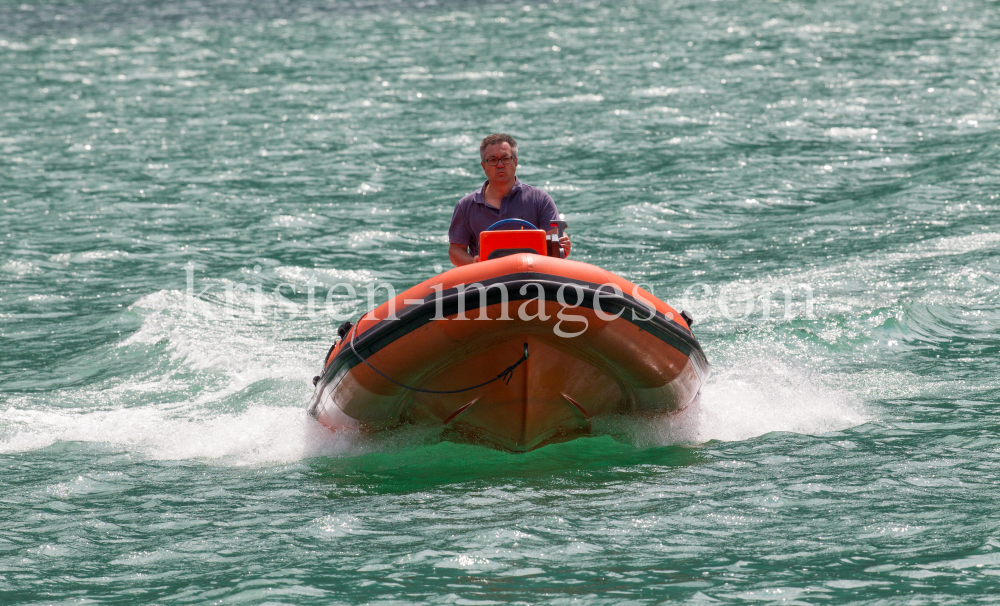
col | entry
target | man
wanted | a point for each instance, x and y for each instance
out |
(502, 196)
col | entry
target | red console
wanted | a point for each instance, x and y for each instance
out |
(496, 244)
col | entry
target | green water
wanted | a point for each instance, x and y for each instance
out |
(155, 445)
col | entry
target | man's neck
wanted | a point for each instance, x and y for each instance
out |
(495, 193)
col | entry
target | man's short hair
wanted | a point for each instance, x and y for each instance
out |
(493, 140)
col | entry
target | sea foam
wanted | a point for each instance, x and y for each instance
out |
(745, 400)
(258, 435)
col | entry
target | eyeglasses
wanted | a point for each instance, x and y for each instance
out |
(505, 160)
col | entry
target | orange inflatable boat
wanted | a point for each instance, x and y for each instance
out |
(517, 351)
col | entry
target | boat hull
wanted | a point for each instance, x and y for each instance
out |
(597, 345)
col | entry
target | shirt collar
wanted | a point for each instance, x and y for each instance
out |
(481, 194)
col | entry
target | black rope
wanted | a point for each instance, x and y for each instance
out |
(505, 376)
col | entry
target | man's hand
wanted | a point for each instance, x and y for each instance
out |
(564, 242)
(566, 245)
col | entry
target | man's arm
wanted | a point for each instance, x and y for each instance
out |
(459, 255)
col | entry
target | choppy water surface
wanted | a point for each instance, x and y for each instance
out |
(155, 446)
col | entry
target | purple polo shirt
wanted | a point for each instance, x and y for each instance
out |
(473, 215)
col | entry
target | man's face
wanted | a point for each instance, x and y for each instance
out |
(504, 170)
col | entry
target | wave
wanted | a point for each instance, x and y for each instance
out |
(750, 399)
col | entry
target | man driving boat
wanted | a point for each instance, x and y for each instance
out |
(502, 196)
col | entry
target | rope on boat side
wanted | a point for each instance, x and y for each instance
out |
(504, 376)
